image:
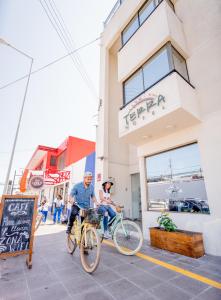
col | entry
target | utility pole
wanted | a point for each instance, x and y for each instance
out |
(20, 115)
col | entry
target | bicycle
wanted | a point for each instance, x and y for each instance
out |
(125, 233)
(84, 234)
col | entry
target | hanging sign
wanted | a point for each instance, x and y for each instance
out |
(36, 182)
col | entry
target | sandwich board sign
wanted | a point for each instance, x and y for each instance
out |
(17, 225)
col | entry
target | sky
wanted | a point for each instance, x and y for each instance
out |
(58, 102)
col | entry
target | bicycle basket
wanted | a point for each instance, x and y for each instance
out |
(93, 217)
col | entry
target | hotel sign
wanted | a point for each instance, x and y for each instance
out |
(142, 107)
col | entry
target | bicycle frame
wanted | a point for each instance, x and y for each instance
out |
(78, 229)
(114, 222)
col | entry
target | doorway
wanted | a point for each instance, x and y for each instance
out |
(136, 197)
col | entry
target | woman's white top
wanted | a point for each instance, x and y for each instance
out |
(106, 195)
(45, 207)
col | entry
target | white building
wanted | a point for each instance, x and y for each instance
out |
(160, 112)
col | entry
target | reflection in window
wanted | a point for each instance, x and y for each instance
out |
(130, 29)
(175, 181)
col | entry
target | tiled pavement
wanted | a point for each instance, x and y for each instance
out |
(57, 275)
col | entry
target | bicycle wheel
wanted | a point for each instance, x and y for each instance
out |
(38, 221)
(128, 237)
(71, 243)
(90, 249)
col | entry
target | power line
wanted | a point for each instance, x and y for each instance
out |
(49, 64)
(54, 20)
(71, 42)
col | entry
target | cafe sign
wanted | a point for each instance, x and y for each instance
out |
(143, 107)
(36, 182)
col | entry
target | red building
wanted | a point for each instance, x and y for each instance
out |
(54, 163)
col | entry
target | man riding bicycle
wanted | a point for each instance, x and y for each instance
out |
(82, 193)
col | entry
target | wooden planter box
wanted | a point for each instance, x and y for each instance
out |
(183, 242)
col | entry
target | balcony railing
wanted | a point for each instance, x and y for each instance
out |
(113, 11)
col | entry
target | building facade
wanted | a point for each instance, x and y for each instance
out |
(158, 134)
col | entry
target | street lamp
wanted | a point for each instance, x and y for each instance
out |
(20, 115)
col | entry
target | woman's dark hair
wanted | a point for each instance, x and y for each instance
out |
(104, 187)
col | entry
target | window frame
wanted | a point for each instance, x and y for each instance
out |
(169, 47)
(156, 3)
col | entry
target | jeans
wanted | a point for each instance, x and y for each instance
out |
(45, 214)
(68, 213)
(103, 209)
(57, 211)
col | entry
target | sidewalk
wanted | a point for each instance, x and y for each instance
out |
(56, 275)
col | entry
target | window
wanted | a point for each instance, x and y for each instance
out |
(141, 16)
(130, 29)
(179, 64)
(133, 86)
(62, 160)
(175, 181)
(146, 10)
(53, 161)
(157, 67)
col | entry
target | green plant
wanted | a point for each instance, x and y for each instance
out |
(166, 222)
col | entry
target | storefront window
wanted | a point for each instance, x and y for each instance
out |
(175, 181)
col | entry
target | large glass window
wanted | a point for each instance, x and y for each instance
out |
(130, 29)
(156, 68)
(175, 181)
(161, 64)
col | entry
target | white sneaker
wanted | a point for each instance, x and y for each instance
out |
(107, 235)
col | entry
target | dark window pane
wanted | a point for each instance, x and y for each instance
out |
(133, 86)
(156, 68)
(180, 64)
(175, 181)
(53, 161)
(130, 29)
(146, 11)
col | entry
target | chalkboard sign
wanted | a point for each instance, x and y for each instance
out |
(17, 221)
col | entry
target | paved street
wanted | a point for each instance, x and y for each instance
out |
(58, 275)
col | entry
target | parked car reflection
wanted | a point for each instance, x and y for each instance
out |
(189, 205)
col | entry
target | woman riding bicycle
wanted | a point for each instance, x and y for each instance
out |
(105, 205)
